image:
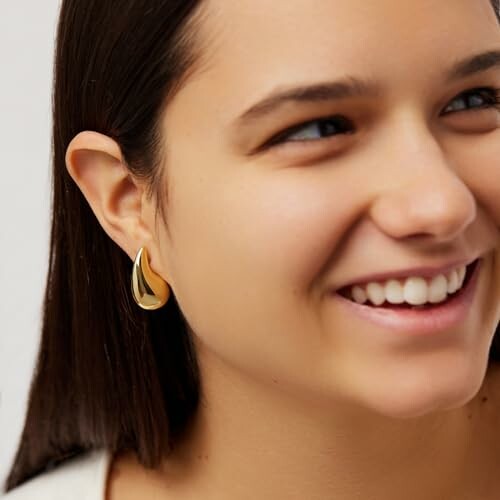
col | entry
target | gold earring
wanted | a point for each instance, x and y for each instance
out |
(150, 291)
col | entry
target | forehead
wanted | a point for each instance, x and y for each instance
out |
(322, 35)
(254, 46)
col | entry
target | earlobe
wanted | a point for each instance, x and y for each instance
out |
(96, 164)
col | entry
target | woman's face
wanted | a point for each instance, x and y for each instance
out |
(403, 175)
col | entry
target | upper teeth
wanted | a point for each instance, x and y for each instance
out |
(414, 290)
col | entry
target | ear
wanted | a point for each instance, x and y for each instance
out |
(96, 164)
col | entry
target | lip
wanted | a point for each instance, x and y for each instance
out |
(424, 272)
(438, 318)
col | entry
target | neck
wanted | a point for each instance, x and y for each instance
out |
(254, 441)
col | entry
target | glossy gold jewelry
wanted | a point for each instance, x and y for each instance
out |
(150, 291)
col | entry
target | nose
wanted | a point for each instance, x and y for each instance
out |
(425, 196)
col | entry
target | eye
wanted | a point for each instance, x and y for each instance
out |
(481, 98)
(318, 129)
(309, 131)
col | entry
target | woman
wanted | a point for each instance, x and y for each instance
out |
(275, 266)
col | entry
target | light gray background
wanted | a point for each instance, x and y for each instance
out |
(27, 31)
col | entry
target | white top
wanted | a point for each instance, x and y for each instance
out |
(78, 478)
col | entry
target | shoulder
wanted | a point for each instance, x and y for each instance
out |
(81, 478)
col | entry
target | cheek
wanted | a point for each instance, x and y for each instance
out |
(275, 229)
(496, 281)
(248, 246)
(481, 171)
(479, 166)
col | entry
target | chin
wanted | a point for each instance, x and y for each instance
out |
(422, 392)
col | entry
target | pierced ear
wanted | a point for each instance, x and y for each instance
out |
(96, 164)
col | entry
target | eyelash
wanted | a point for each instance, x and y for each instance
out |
(490, 95)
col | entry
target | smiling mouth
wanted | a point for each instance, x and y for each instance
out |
(346, 292)
(444, 318)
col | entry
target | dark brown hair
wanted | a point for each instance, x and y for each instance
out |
(109, 374)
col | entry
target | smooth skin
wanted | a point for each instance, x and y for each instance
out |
(301, 399)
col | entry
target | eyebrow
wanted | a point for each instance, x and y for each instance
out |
(356, 87)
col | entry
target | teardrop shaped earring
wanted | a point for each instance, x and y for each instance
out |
(150, 291)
